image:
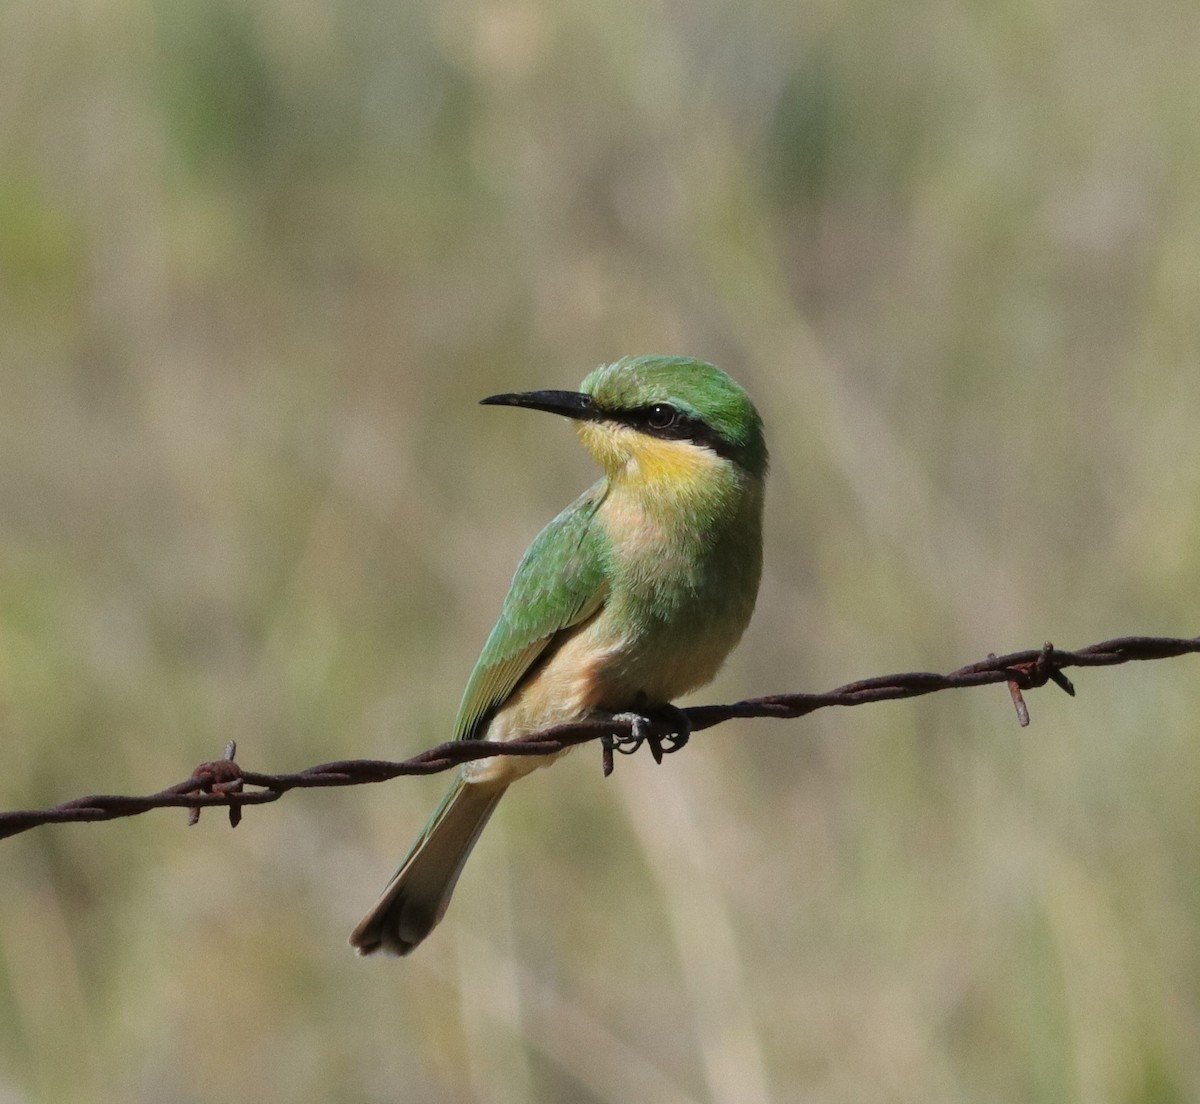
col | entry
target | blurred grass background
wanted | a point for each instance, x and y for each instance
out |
(257, 262)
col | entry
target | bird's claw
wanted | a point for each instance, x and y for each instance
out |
(677, 740)
(627, 744)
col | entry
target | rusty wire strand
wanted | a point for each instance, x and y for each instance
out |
(222, 782)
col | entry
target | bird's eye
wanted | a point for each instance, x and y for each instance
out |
(661, 416)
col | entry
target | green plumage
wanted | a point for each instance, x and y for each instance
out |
(559, 582)
(631, 596)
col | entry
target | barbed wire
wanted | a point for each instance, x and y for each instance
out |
(223, 782)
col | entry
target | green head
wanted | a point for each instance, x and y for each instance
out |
(638, 407)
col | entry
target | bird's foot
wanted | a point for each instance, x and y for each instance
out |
(639, 723)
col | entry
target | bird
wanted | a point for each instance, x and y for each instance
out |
(631, 597)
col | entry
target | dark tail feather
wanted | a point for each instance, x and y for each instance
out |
(416, 897)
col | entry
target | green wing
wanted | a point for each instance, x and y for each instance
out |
(559, 583)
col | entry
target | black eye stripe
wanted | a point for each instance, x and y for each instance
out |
(652, 420)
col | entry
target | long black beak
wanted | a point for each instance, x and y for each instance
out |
(570, 404)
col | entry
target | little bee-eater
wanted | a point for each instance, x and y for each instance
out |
(632, 596)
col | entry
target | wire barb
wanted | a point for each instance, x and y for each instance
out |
(1018, 699)
(223, 782)
(221, 776)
